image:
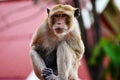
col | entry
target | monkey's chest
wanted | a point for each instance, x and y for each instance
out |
(51, 59)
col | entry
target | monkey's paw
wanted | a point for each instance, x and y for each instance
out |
(48, 74)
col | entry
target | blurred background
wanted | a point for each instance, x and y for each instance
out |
(100, 29)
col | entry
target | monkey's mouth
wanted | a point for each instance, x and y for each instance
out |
(59, 30)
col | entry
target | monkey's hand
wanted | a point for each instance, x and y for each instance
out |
(48, 74)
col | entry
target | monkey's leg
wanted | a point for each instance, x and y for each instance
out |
(74, 72)
(64, 60)
(38, 63)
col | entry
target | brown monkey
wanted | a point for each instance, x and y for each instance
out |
(56, 47)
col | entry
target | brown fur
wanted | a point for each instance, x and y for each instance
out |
(70, 47)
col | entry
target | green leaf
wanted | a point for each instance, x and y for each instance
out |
(95, 53)
(112, 51)
(119, 37)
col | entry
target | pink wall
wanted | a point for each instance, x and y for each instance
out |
(18, 21)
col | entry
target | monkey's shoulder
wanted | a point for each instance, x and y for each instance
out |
(73, 35)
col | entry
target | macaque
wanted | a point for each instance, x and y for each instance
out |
(57, 47)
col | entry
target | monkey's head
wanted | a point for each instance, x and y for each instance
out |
(61, 18)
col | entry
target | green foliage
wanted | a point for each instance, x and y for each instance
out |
(112, 50)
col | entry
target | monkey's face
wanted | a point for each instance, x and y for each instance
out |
(60, 23)
(61, 19)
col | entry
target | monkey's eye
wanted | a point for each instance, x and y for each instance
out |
(63, 15)
(56, 15)
(60, 15)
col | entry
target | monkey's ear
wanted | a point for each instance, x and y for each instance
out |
(48, 10)
(77, 12)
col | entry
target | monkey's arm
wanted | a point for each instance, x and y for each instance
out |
(38, 63)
